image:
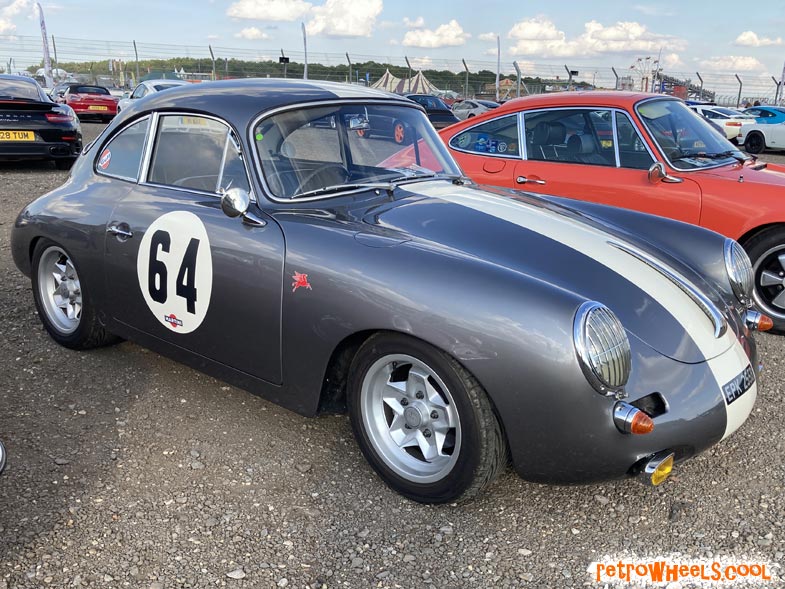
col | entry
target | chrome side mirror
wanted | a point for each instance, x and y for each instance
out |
(657, 173)
(235, 202)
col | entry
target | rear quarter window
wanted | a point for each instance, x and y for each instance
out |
(122, 156)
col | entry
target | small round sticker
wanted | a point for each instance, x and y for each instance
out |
(175, 271)
(106, 157)
(501, 147)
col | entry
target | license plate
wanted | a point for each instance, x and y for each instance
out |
(17, 136)
(96, 107)
(739, 385)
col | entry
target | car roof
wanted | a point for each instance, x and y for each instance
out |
(240, 100)
(610, 98)
(163, 81)
(19, 78)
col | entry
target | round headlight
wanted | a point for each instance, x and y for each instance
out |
(739, 268)
(603, 348)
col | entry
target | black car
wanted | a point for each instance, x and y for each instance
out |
(438, 112)
(32, 127)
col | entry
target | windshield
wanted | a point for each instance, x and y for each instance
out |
(685, 138)
(19, 89)
(489, 103)
(331, 149)
(88, 90)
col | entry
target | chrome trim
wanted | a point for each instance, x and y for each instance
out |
(2, 457)
(623, 416)
(480, 124)
(654, 463)
(147, 161)
(148, 148)
(752, 319)
(112, 138)
(730, 250)
(303, 105)
(710, 309)
(615, 132)
(578, 336)
(662, 153)
(522, 136)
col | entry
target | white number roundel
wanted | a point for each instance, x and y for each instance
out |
(175, 270)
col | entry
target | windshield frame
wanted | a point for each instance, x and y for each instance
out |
(730, 160)
(257, 162)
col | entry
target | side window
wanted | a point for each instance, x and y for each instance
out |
(754, 113)
(578, 136)
(499, 137)
(765, 114)
(189, 151)
(139, 92)
(122, 156)
(632, 150)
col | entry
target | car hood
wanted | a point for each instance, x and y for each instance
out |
(540, 240)
(772, 174)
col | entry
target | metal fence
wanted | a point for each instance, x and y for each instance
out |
(121, 63)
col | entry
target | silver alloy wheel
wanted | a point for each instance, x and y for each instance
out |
(410, 418)
(59, 290)
(769, 273)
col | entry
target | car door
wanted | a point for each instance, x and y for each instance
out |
(180, 270)
(573, 153)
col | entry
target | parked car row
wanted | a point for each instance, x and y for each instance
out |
(266, 232)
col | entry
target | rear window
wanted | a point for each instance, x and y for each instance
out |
(728, 112)
(19, 89)
(159, 87)
(88, 90)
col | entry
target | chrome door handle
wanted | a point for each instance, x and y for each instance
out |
(525, 180)
(120, 230)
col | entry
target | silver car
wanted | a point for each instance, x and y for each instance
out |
(145, 88)
(467, 109)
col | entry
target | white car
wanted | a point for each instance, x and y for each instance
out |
(730, 120)
(758, 137)
(145, 88)
(471, 108)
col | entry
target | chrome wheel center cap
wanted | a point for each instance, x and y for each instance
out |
(412, 418)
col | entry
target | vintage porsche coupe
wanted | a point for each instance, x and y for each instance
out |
(250, 230)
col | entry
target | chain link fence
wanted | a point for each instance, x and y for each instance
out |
(122, 63)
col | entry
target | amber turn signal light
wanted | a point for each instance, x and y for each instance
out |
(631, 420)
(765, 323)
(757, 321)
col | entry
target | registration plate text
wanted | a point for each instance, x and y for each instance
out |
(739, 385)
(17, 136)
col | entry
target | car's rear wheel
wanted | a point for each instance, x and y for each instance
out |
(63, 301)
(754, 143)
(767, 253)
(423, 422)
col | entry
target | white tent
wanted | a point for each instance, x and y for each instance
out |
(417, 84)
(387, 82)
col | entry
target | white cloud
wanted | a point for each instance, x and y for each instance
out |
(751, 39)
(487, 37)
(9, 11)
(417, 23)
(733, 63)
(671, 61)
(345, 18)
(421, 63)
(252, 33)
(539, 36)
(447, 35)
(276, 10)
(652, 10)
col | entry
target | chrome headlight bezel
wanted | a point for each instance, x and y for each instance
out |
(603, 348)
(739, 270)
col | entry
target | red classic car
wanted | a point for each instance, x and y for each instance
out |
(639, 151)
(89, 101)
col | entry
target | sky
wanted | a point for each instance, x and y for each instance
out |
(687, 36)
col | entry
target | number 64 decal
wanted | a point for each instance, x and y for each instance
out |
(175, 271)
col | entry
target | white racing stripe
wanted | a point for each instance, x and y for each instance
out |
(727, 356)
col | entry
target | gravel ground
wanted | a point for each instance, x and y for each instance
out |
(129, 470)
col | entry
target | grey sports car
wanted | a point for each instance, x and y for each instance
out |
(225, 226)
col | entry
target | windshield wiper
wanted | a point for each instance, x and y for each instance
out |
(344, 187)
(735, 154)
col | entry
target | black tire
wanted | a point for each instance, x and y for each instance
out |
(754, 143)
(763, 250)
(483, 450)
(471, 114)
(64, 164)
(89, 333)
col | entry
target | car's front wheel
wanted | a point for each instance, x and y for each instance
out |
(767, 253)
(423, 422)
(63, 300)
(754, 143)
